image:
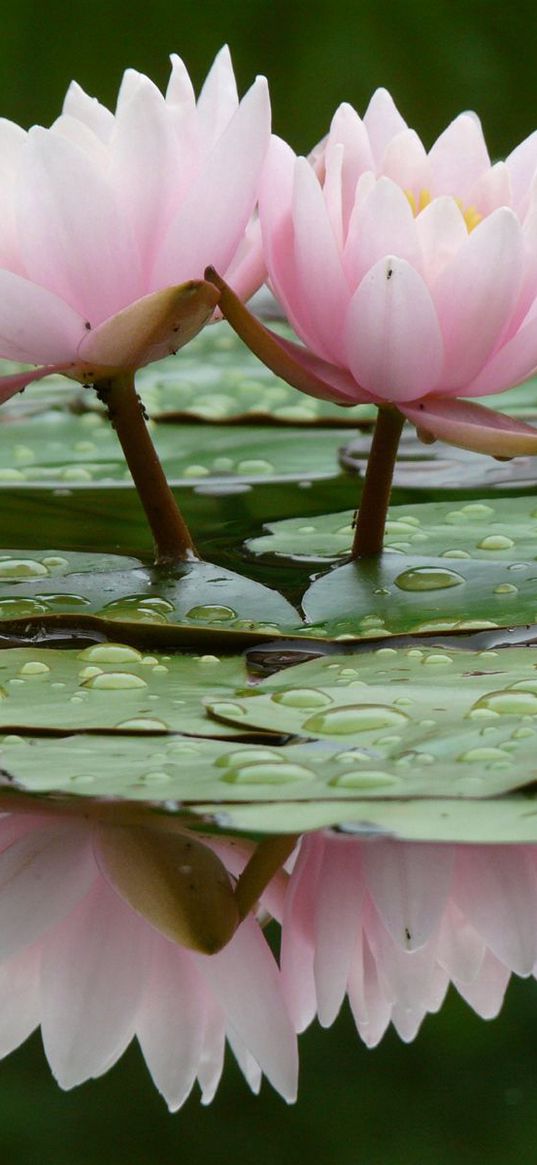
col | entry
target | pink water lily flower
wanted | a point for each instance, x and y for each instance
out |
(411, 276)
(107, 221)
(91, 949)
(391, 924)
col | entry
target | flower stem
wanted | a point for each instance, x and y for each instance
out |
(371, 518)
(267, 858)
(173, 543)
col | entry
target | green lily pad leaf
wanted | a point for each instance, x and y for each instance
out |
(516, 402)
(509, 819)
(184, 769)
(424, 744)
(214, 378)
(88, 590)
(394, 596)
(442, 466)
(61, 449)
(419, 707)
(113, 687)
(501, 530)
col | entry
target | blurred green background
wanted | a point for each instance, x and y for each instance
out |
(436, 56)
(465, 1090)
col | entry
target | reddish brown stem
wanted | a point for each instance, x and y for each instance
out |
(173, 543)
(371, 518)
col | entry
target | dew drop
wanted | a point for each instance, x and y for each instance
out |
(110, 653)
(196, 471)
(21, 568)
(115, 680)
(363, 780)
(506, 589)
(528, 685)
(508, 703)
(211, 613)
(302, 698)
(55, 562)
(34, 667)
(477, 510)
(496, 542)
(268, 774)
(483, 753)
(455, 554)
(20, 608)
(427, 578)
(437, 659)
(399, 527)
(254, 466)
(227, 708)
(248, 756)
(143, 724)
(76, 473)
(355, 718)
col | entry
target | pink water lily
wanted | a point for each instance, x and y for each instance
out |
(428, 262)
(410, 276)
(391, 924)
(108, 220)
(96, 955)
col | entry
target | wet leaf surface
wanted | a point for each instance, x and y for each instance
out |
(123, 592)
(113, 687)
(486, 530)
(62, 450)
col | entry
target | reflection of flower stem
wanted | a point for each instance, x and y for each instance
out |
(125, 410)
(371, 519)
(264, 863)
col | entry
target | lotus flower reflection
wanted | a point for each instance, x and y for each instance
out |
(106, 217)
(103, 929)
(391, 924)
(96, 949)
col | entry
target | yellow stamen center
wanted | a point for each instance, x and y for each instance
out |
(470, 214)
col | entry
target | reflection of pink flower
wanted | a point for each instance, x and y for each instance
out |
(103, 216)
(390, 924)
(80, 961)
(411, 277)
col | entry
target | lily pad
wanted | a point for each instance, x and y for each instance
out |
(214, 378)
(113, 687)
(113, 591)
(427, 745)
(498, 530)
(394, 596)
(181, 771)
(418, 707)
(509, 819)
(442, 466)
(61, 449)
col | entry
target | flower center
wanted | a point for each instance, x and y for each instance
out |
(470, 214)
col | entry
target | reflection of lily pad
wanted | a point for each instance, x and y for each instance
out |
(60, 449)
(40, 588)
(113, 687)
(441, 466)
